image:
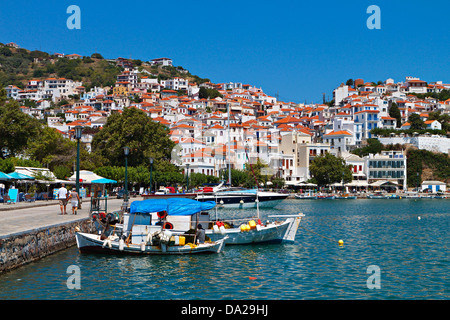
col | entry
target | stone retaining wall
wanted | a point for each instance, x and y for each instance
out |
(24, 247)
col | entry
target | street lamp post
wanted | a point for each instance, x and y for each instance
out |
(126, 151)
(187, 177)
(78, 131)
(151, 171)
(418, 182)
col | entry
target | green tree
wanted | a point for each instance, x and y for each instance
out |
(373, 146)
(206, 93)
(52, 149)
(238, 177)
(5, 51)
(134, 129)
(254, 174)
(415, 122)
(277, 182)
(329, 169)
(62, 172)
(394, 112)
(16, 127)
(96, 56)
(6, 165)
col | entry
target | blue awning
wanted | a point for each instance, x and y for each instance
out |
(4, 176)
(173, 206)
(103, 181)
(20, 176)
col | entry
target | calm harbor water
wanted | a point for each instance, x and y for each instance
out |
(411, 253)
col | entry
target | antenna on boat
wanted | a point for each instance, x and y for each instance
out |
(257, 205)
(229, 155)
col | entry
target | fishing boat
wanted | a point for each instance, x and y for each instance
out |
(235, 197)
(411, 195)
(168, 192)
(345, 197)
(279, 229)
(306, 195)
(392, 196)
(326, 197)
(377, 195)
(140, 234)
(254, 231)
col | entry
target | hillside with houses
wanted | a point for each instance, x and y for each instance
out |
(215, 125)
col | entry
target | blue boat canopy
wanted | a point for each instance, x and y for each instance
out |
(173, 206)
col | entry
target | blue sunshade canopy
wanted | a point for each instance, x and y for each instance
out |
(20, 176)
(173, 206)
(4, 176)
(103, 181)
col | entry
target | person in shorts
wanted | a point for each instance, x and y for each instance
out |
(74, 200)
(62, 197)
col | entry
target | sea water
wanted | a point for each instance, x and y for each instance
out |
(393, 249)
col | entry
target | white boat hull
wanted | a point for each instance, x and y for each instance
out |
(252, 204)
(283, 232)
(236, 199)
(91, 243)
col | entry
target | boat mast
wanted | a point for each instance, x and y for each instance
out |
(229, 156)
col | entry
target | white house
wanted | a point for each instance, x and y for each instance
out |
(162, 61)
(59, 87)
(339, 139)
(176, 84)
(368, 120)
(434, 186)
(12, 91)
(433, 124)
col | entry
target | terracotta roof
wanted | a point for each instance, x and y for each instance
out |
(338, 133)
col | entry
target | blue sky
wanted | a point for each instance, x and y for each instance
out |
(298, 49)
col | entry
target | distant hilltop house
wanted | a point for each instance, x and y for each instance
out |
(162, 61)
(13, 45)
(73, 56)
(124, 63)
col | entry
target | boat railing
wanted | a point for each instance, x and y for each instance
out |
(244, 220)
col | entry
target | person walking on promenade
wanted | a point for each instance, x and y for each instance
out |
(62, 197)
(74, 200)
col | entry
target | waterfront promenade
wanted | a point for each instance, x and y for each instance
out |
(30, 231)
(27, 216)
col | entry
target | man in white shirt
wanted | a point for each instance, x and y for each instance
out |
(62, 197)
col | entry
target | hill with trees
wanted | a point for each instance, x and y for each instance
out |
(18, 65)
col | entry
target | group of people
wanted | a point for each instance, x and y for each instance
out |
(65, 196)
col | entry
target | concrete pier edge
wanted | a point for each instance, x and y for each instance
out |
(25, 247)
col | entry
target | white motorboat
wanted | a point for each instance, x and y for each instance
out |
(241, 198)
(306, 195)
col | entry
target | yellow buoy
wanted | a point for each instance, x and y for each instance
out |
(341, 243)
